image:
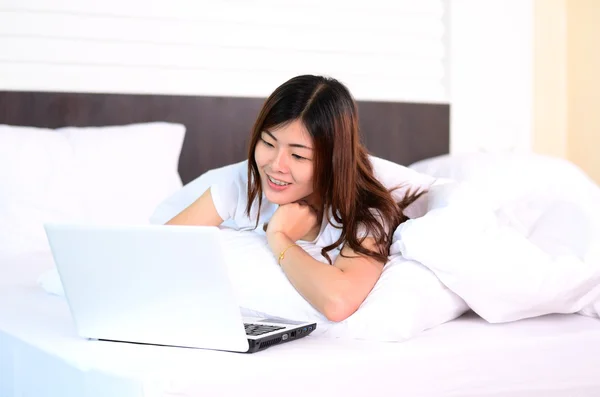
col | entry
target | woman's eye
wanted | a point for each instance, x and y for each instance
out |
(266, 143)
(298, 157)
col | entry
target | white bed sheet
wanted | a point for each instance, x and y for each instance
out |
(40, 355)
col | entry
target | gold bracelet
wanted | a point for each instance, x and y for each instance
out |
(282, 254)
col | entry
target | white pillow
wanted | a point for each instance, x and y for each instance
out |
(406, 300)
(500, 273)
(115, 174)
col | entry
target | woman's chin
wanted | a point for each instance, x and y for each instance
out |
(288, 195)
(280, 198)
(277, 198)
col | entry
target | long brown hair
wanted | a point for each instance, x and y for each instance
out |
(343, 174)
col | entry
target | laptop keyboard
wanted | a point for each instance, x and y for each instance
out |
(259, 329)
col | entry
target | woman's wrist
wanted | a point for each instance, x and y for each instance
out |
(278, 241)
(280, 244)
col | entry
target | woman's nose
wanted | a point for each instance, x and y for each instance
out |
(279, 163)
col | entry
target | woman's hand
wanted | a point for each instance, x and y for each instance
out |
(298, 221)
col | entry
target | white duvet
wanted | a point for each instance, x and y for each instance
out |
(517, 235)
(503, 270)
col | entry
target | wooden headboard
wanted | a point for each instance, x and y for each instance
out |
(218, 128)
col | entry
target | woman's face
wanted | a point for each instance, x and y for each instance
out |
(285, 162)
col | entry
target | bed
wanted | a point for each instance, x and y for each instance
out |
(40, 354)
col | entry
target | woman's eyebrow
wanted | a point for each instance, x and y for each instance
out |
(291, 144)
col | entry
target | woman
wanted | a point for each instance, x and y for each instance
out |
(308, 178)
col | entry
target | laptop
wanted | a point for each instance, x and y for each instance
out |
(160, 285)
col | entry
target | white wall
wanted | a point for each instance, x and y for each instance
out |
(382, 49)
(491, 75)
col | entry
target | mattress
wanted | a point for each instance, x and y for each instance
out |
(41, 355)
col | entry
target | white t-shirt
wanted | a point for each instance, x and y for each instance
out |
(230, 197)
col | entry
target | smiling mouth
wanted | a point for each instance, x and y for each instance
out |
(277, 181)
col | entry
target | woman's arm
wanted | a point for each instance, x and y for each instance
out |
(201, 212)
(336, 291)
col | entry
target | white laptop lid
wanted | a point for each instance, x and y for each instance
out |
(149, 284)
